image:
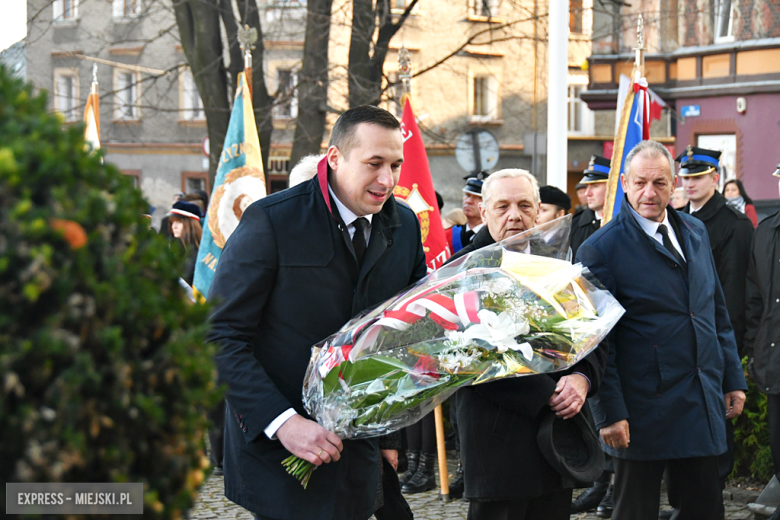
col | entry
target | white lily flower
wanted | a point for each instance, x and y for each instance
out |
(500, 331)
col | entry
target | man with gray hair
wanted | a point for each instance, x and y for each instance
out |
(673, 376)
(506, 473)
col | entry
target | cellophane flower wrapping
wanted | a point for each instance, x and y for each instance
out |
(512, 309)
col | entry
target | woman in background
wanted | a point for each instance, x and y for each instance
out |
(185, 226)
(736, 195)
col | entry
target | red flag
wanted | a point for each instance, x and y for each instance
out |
(656, 105)
(415, 187)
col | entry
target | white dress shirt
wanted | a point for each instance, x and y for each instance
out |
(349, 219)
(651, 228)
(476, 228)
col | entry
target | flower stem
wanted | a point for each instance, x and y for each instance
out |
(299, 468)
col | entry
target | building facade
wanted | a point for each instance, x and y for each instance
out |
(717, 64)
(484, 61)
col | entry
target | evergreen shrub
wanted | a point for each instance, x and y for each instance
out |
(752, 454)
(104, 372)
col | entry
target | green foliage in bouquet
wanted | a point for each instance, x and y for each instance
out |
(104, 371)
(752, 454)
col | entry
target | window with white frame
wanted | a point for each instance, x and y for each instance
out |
(126, 8)
(127, 86)
(485, 8)
(724, 21)
(66, 93)
(287, 104)
(191, 104)
(65, 10)
(484, 98)
(580, 117)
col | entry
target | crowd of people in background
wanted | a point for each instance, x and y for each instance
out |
(707, 238)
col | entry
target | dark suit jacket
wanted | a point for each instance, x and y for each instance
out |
(288, 278)
(499, 422)
(763, 314)
(672, 355)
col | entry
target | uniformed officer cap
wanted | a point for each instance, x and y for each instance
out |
(598, 170)
(552, 195)
(474, 183)
(695, 161)
(777, 171)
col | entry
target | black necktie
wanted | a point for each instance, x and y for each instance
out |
(669, 246)
(359, 238)
(465, 236)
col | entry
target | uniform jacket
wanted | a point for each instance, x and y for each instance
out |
(458, 237)
(731, 234)
(583, 225)
(672, 355)
(288, 278)
(499, 422)
(762, 337)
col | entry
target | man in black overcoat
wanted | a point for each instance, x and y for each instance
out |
(730, 231)
(762, 333)
(300, 264)
(506, 474)
(731, 234)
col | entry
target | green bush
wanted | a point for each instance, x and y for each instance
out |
(752, 455)
(104, 372)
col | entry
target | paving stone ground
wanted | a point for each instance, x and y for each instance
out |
(212, 504)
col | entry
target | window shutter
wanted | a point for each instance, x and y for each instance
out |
(57, 6)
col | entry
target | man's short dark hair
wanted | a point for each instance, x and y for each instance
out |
(343, 134)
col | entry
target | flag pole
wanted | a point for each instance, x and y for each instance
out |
(247, 36)
(639, 50)
(92, 115)
(625, 113)
(93, 92)
(405, 74)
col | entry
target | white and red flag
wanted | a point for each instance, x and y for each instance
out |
(415, 187)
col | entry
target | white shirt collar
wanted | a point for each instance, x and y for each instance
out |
(346, 214)
(651, 226)
(476, 228)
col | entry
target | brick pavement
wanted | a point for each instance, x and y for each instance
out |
(212, 504)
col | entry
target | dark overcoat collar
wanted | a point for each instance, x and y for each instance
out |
(482, 238)
(586, 218)
(710, 209)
